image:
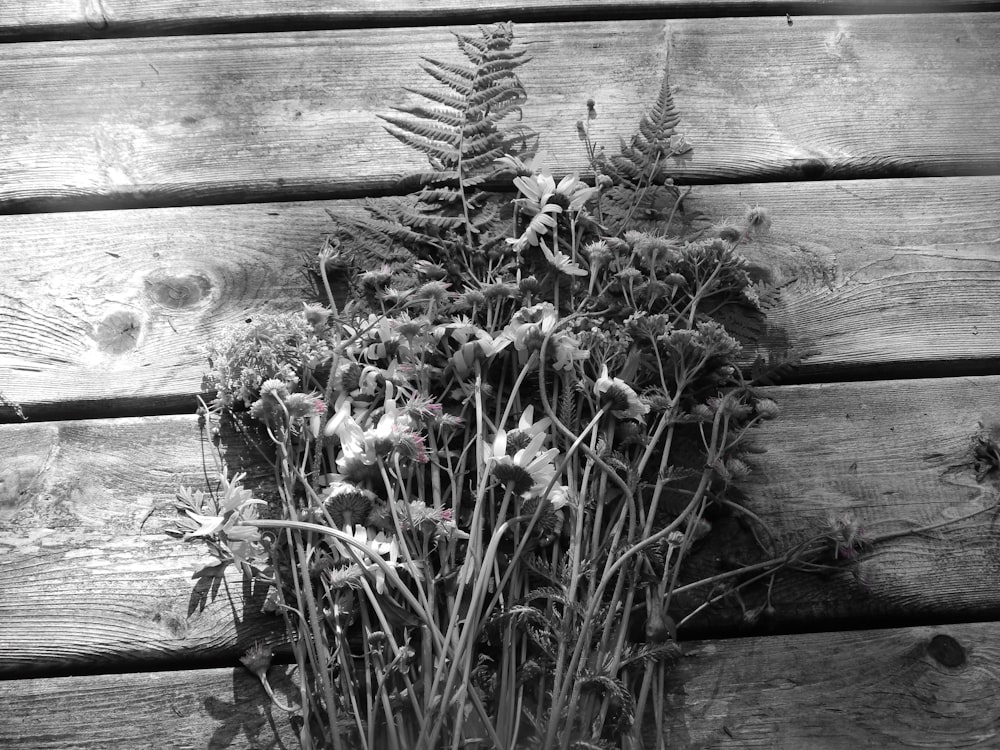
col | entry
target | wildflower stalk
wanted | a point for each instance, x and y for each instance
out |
(492, 562)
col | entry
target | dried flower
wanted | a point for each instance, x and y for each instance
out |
(257, 660)
(766, 408)
(846, 535)
(758, 221)
(433, 291)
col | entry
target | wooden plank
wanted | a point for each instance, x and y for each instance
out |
(888, 278)
(89, 578)
(86, 580)
(890, 456)
(120, 308)
(212, 708)
(930, 687)
(247, 117)
(927, 687)
(894, 275)
(60, 19)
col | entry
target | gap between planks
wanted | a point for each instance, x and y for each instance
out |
(53, 20)
(887, 277)
(236, 118)
(90, 577)
(903, 688)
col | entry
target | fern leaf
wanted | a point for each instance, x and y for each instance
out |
(663, 117)
(501, 74)
(421, 220)
(506, 97)
(476, 163)
(471, 47)
(446, 98)
(643, 194)
(458, 82)
(486, 217)
(462, 132)
(445, 115)
(439, 195)
(425, 129)
(444, 154)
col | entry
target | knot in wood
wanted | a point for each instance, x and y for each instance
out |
(118, 332)
(946, 651)
(178, 291)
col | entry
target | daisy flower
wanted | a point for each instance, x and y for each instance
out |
(528, 470)
(561, 262)
(619, 396)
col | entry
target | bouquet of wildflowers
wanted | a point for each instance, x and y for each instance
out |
(492, 460)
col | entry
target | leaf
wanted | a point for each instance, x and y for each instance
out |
(640, 165)
(463, 134)
(207, 525)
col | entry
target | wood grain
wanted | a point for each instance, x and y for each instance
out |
(892, 456)
(88, 579)
(918, 687)
(111, 310)
(60, 19)
(212, 708)
(250, 117)
(888, 278)
(105, 313)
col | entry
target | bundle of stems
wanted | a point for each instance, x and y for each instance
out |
(483, 510)
(491, 463)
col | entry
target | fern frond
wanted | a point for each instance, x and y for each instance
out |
(663, 116)
(445, 98)
(421, 220)
(462, 132)
(439, 195)
(486, 217)
(455, 77)
(481, 161)
(439, 114)
(642, 185)
(501, 76)
(443, 153)
(426, 129)
(471, 47)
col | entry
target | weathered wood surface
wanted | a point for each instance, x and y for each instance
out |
(235, 118)
(89, 580)
(61, 19)
(117, 306)
(934, 687)
(217, 709)
(106, 313)
(893, 456)
(910, 688)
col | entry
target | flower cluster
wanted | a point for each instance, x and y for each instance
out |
(477, 462)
